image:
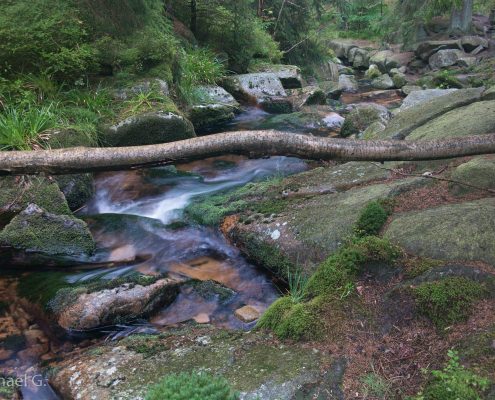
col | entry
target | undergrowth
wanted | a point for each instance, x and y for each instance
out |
(192, 386)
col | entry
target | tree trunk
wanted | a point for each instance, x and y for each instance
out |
(251, 143)
(194, 17)
(461, 19)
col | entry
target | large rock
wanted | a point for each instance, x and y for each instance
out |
(373, 72)
(304, 122)
(383, 82)
(126, 369)
(425, 49)
(17, 192)
(341, 47)
(475, 119)
(217, 108)
(445, 58)
(348, 84)
(359, 58)
(36, 230)
(421, 96)
(470, 43)
(78, 189)
(308, 96)
(260, 85)
(385, 60)
(143, 87)
(463, 231)
(328, 71)
(289, 75)
(479, 172)
(414, 117)
(149, 128)
(87, 311)
(362, 116)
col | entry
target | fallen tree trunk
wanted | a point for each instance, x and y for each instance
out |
(251, 143)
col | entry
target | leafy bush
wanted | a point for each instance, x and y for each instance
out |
(449, 300)
(193, 386)
(371, 219)
(454, 382)
(44, 36)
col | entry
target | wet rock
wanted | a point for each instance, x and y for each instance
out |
(143, 87)
(416, 97)
(414, 117)
(383, 82)
(310, 122)
(248, 313)
(463, 231)
(78, 189)
(362, 116)
(348, 83)
(17, 192)
(308, 96)
(475, 119)
(480, 172)
(37, 230)
(110, 306)
(445, 58)
(425, 49)
(373, 72)
(469, 43)
(149, 128)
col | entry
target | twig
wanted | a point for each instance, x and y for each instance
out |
(430, 176)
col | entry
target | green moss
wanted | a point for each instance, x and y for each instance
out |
(478, 351)
(291, 320)
(334, 276)
(445, 80)
(147, 345)
(192, 386)
(211, 289)
(418, 266)
(358, 120)
(371, 219)
(265, 254)
(50, 234)
(54, 292)
(17, 193)
(448, 301)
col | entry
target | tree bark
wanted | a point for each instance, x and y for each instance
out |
(251, 143)
(461, 19)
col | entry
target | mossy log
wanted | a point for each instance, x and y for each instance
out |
(252, 143)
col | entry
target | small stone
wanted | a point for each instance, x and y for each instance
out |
(203, 340)
(248, 313)
(275, 234)
(202, 318)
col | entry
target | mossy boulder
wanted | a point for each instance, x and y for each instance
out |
(149, 128)
(17, 192)
(414, 117)
(475, 119)
(480, 172)
(259, 370)
(63, 138)
(362, 116)
(289, 75)
(77, 189)
(463, 231)
(206, 117)
(383, 82)
(39, 231)
(310, 122)
(419, 96)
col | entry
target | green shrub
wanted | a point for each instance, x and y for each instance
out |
(44, 36)
(454, 382)
(445, 80)
(193, 386)
(371, 219)
(449, 300)
(198, 66)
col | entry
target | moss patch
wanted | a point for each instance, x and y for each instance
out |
(448, 301)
